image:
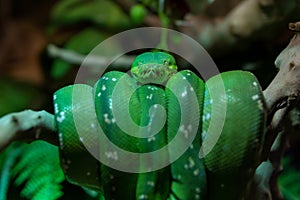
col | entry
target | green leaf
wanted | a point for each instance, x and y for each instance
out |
(59, 68)
(82, 43)
(39, 170)
(16, 96)
(289, 181)
(8, 158)
(138, 13)
(85, 41)
(100, 12)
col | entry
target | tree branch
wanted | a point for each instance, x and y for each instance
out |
(28, 126)
(76, 58)
(248, 22)
(282, 95)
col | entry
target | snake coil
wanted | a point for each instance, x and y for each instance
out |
(190, 106)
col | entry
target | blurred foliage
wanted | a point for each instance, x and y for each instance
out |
(34, 167)
(289, 180)
(17, 96)
(138, 13)
(79, 44)
(38, 169)
(102, 13)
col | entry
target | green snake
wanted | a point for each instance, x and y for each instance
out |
(221, 174)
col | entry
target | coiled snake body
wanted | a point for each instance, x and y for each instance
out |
(189, 105)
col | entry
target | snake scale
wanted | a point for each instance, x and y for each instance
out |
(189, 107)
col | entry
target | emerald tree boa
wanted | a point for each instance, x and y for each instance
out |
(157, 107)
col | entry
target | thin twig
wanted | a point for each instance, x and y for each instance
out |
(75, 58)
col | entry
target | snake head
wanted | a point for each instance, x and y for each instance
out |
(153, 67)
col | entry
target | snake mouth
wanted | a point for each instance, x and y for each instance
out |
(153, 73)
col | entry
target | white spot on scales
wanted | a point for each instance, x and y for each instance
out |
(206, 117)
(152, 88)
(196, 172)
(110, 103)
(149, 96)
(184, 130)
(150, 183)
(150, 139)
(203, 134)
(61, 117)
(189, 127)
(56, 108)
(191, 162)
(184, 93)
(143, 196)
(255, 97)
(112, 154)
(60, 138)
(106, 119)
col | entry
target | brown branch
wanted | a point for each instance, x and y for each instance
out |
(285, 85)
(249, 21)
(260, 185)
(276, 156)
(282, 96)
